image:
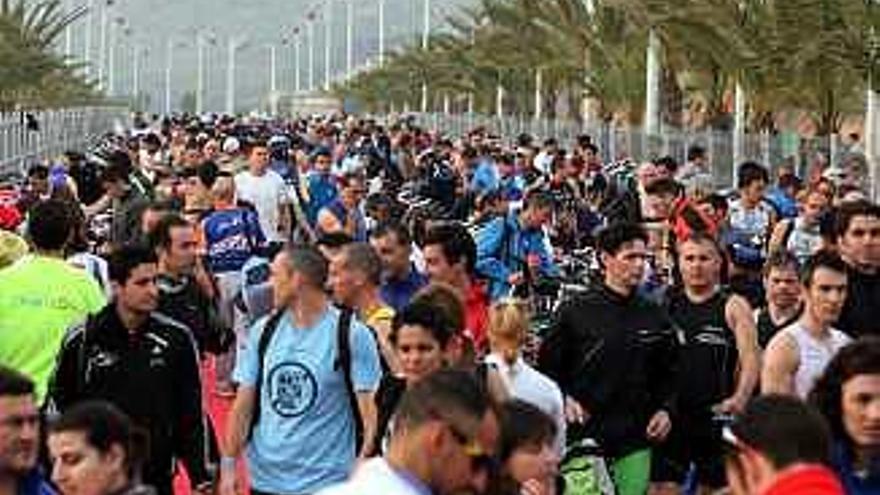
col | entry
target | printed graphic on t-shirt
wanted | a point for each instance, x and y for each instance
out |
(292, 389)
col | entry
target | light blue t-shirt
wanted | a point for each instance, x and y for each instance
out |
(304, 439)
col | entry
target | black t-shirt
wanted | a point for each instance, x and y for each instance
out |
(184, 301)
(767, 328)
(708, 352)
(861, 311)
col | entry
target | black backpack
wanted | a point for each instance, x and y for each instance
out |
(343, 363)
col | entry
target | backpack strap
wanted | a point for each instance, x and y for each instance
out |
(246, 227)
(263, 345)
(82, 366)
(506, 234)
(95, 271)
(789, 228)
(343, 364)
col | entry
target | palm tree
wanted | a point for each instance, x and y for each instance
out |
(812, 57)
(31, 74)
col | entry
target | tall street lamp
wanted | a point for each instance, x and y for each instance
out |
(233, 46)
(169, 64)
(381, 33)
(118, 22)
(297, 44)
(311, 41)
(426, 33)
(349, 38)
(328, 42)
(201, 41)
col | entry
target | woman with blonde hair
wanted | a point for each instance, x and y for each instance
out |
(508, 330)
(801, 236)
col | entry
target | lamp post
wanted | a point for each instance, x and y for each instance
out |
(68, 33)
(111, 62)
(102, 55)
(297, 44)
(872, 133)
(200, 69)
(652, 92)
(426, 33)
(169, 65)
(273, 81)
(349, 38)
(69, 16)
(311, 40)
(139, 51)
(169, 61)
(381, 33)
(539, 82)
(125, 70)
(87, 43)
(499, 98)
(200, 74)
(328, 42)
(136, 75)
(234, 45)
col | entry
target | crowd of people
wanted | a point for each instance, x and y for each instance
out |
(384, 309)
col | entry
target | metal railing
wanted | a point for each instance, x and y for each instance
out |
(626, 142)
(27, 137)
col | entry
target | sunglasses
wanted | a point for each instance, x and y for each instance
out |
(516, 302)
(481, 459)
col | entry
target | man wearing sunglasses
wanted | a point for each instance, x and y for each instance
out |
(442, 441)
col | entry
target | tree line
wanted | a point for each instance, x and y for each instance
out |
(812, 59)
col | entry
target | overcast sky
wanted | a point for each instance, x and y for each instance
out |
(151, 23)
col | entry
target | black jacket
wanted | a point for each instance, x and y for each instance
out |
(152, 375)
(861, 310)
(183, 300)
(616, 356)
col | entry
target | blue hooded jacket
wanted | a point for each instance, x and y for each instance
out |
(503, 247)
(322, 191)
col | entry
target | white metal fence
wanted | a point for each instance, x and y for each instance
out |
(27, 137)
(617, 143)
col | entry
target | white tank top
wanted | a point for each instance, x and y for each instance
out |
(813, 355)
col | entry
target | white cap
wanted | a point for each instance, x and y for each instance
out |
(231, 145)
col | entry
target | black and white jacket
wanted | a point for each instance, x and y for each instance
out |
(152, 375)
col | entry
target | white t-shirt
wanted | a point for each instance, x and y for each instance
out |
(528, 384)
(266, 192)
(813, 355)
(543, 162)
(376, 477)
